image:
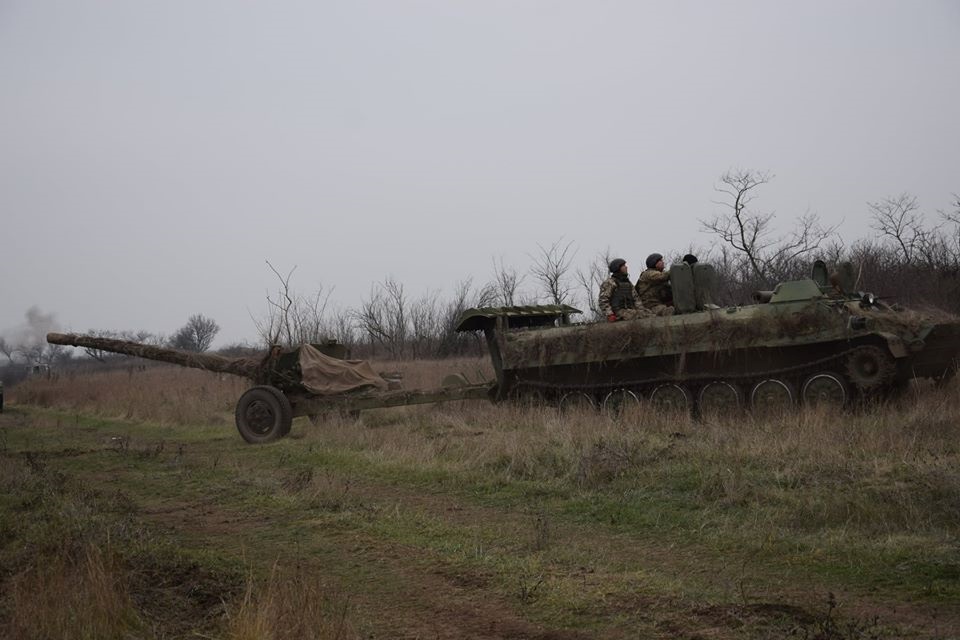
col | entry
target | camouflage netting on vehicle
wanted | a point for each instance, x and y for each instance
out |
(716, 331)
(325, 376)
(910, 321)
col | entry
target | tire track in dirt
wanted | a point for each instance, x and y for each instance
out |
(799, 600)
(433, 604)
(439, 600)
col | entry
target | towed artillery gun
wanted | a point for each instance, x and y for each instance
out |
(809, 342)
(308, 380)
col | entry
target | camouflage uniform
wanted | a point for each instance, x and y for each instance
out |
(618, 297)
(653, 287)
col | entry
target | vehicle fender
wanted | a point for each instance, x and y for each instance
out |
(897, 348)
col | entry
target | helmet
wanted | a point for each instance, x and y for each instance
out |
(653, 259)
(616, 263)
(690, 259)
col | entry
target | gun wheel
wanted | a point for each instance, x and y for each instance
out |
(671, 397)
(870, 368)
(719, 397)
(263, 414)
(825, 389)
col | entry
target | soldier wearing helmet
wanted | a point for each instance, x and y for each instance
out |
(653, 287)
(618, 299)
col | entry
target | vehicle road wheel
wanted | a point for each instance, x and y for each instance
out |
(263, 414)
(719, 398)
(772, 394)
(825, 389)
(620, 400)
(671, 397)
(577, 401)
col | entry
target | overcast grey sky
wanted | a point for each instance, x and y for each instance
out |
(154, 154)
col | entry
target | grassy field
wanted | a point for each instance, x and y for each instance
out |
(131, 508)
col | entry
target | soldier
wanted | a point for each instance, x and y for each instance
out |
(653, 287)
(618, 299)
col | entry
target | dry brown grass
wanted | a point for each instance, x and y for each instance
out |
(176, 395)
(79, 565)
(875, 484)
(291, 604)
(163, 394)
(80, 598)
(887, 468)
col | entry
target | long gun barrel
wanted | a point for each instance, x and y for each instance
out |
(245, 367)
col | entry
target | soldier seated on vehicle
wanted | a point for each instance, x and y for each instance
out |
(836, 286)
(618, 299)
(653, 287)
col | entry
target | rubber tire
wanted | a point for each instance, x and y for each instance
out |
(270, 400)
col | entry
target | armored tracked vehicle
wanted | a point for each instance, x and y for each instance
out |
(808, 341)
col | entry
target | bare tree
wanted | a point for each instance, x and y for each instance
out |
(465, 296)
(371, 319)
(898, 218)
(342, 327)
(397, 310)
(750, 232)
(953, 218)
(276, 324)
(99, 354)
(741, 228)
(291, 318)
(197, 335)
(591, 277)
(383, 317)
(506, 281)
(57, 354)
(551, 268)
(787, 257)
(426, 322)
(29, 343)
